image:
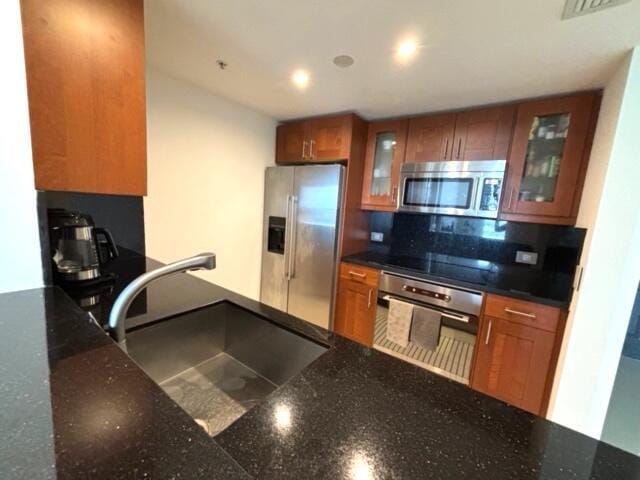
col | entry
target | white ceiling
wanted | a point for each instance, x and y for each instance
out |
(472, 52)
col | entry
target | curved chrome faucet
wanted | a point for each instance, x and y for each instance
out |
(123, 301)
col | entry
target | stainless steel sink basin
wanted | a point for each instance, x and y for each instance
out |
(219, 361)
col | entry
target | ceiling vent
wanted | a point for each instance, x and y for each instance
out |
(574, 8)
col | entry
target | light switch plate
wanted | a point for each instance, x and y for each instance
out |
(377, 236)
(530, 258)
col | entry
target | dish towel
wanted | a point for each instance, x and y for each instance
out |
(425, 328)
(399, 322)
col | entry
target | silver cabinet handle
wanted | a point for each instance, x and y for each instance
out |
(311, 149)
(459, 147)
(510, 198)
(304, 149)
(486, 340)
(369, 299)
(356, 274)
(517, 312)
(446, 149)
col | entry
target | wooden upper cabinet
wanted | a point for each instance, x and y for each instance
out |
(291, 145)
(430, 138)
(330, 138)
(85, 78)
(516, 351)
(386, 143)
(356, 303)
(547, 164)
(483, 134)
(315, 140)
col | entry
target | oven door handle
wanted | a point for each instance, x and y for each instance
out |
(427, 293)
(449, 315)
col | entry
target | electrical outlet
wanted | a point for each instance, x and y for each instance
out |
(377, 236)
(530, 258)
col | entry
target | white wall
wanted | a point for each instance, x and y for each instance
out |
(610, 209)
(206, 161)
(20, 261)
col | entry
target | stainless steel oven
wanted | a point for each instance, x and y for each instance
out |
(471, 189)
(458, 308)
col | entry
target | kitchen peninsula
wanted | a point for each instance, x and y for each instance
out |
(77, 406)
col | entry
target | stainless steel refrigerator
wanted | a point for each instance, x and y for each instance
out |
(300, 240)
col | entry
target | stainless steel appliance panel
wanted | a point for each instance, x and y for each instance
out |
(463, 188)
(443, 296)
(277, 203)
(316, 206)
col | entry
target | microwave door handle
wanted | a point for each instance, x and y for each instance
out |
(477, 195)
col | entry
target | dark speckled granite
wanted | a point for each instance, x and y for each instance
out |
(358, 413)
(488, 278)
(480, 253)
(73, 405)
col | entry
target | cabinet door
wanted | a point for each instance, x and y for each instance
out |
(291, 146)
(85, 78)
(430, 138)
(545, 167)
(329, 138)
(513, 362)
(483, 134)
(385, 153)
(355, 311)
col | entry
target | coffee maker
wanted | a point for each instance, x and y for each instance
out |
(75, 249)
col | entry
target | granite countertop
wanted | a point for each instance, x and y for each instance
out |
(73, 405)
(501, 280)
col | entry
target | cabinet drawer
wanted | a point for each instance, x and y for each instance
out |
(522, 312)
(357, 273)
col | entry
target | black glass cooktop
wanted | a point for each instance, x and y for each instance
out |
(447, 266)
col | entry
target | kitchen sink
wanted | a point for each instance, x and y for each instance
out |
(219, 361)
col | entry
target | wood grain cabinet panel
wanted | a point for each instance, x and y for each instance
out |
(316, 140)
(85, 78)
(430, 138)
(526, 313)
(516, 351)
(356, 303)
(513, 362)
(291, 145)
(330, 138)
(483, 134)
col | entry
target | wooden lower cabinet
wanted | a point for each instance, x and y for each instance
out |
(515, 359)
(356, 303)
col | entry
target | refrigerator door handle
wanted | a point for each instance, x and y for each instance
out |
(291, 266)
(287, 243)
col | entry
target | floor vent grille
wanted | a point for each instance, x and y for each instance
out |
(574, 8)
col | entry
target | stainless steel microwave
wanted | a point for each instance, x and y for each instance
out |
(471, 189)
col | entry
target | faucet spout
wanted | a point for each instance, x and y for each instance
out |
(123, 301)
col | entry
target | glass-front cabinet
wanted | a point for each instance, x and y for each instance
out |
(546, 165)
(385, 153)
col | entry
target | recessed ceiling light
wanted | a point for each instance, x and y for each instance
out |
(343, 61)
(406, 50)
(300, 79)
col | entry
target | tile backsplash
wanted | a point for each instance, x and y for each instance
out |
(558, 248)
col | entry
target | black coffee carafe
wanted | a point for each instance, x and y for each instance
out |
(75, 251)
